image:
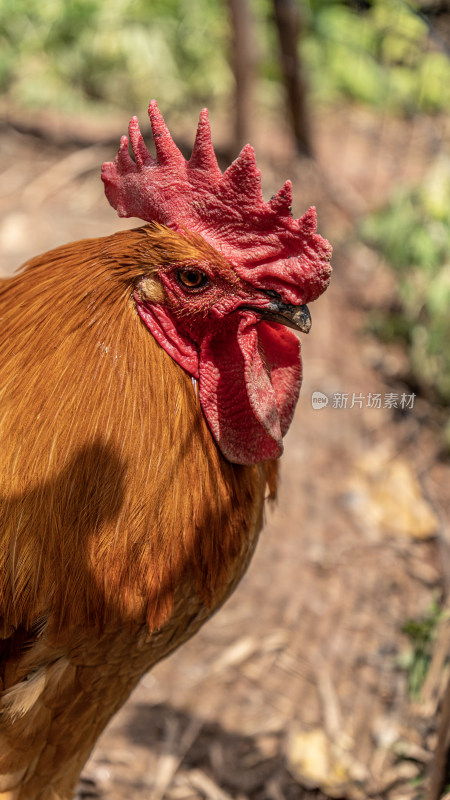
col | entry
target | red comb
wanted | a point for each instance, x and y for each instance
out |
(264, 243)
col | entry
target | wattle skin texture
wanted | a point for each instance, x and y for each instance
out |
(249, 375)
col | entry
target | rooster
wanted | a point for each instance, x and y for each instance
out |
(146, 382)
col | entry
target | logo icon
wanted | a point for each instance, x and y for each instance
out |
(319, 400)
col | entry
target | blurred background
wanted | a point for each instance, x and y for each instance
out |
(326, 673)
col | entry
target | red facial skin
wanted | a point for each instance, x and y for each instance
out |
(249, 370)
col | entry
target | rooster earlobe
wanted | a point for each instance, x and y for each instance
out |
(166, 150)
(203, 155)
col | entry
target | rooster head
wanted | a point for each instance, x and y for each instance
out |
(228, 275)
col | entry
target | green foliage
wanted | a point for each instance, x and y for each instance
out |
(73, 53)
(383, 56)
(77, 52)
(412, 233)
(422, 634)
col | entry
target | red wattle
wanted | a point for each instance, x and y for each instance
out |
(248, 388)
(249, 376)
(281, 350)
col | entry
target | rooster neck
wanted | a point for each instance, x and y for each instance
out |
(118, 489)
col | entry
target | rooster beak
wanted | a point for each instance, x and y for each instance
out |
(296, 317)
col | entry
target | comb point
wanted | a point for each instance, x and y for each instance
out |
(243, 176)
(138, 145)
(203, 155)
(308, 221)
(166, 150)
(281, 202)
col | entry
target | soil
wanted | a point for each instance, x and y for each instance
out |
(301, 685)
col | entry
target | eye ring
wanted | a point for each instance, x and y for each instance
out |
(192, 278)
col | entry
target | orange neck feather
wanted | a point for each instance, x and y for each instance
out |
(114, 498)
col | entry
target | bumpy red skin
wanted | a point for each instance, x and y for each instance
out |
(249, 370)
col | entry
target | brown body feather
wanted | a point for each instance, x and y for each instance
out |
(122, 527)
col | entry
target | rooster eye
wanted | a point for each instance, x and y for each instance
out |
(192, 278)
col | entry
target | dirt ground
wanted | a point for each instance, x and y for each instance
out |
(298, 687)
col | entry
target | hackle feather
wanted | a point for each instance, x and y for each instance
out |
(124, 502)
